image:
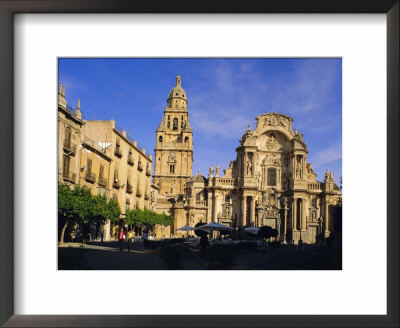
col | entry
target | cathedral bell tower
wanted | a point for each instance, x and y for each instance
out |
(174, 144)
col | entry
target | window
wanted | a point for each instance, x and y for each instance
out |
(101, 172)
(67, 137)
(186, 139)
(198, 196)
(89, 166)
(168, 124)
(171, 168)
(66, 166)
(175, 124)
(271, 177)
(160, 138)
(227, 199)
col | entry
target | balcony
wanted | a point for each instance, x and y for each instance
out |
(129, 189)
(90, 177)
(201, 203)
(116, 184)
(69, 176)
(140, 166)
(118, 152)
(103, 182)
(315, 187)
(148, 171)
(69, 147)
(224, 182)
(130, 160)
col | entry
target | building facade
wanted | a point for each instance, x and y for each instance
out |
(95, 154)
(70, 125)
(129, 176)
(269, 184)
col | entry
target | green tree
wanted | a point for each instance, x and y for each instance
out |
(148, 218)
(78, 205)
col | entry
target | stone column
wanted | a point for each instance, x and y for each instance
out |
(285, 224)
(209, 207)
(243, 211)
(294, 214)
(214, 207)
(253, 211)
(326, 218)
(303, 215)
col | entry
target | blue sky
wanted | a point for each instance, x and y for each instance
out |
(225, 95)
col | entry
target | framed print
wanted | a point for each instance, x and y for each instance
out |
(42, 44)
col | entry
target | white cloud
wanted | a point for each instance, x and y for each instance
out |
(327, 156)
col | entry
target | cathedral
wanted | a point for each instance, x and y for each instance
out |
(270, 183)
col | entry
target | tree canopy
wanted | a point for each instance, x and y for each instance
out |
(147, 217)
(79, 204)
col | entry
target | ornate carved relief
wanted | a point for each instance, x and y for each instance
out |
(276, 120)
(272, 144)
(272, 159)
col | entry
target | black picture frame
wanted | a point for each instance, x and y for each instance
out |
(7, 10)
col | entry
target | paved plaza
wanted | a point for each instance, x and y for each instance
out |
(106, 256)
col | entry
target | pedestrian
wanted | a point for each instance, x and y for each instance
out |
(121, 239)
(101, 234)
(204, 244)
(130, 239)
(145, 237)
(300, 245)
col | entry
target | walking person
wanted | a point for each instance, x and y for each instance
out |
(204, 244)
(130, 239)
(121, 239)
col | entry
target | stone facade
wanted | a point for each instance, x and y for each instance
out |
(173, 156)
(174, 145)
(269, 184)
(129, 174)
(95, 154)
(69, 140)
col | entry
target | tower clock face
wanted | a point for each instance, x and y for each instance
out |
(172, 155)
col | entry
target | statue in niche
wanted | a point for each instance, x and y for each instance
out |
(226, 211)
(249, 167)
(217, 171)
(298, 171)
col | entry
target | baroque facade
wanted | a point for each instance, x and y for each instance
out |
(269, 184)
